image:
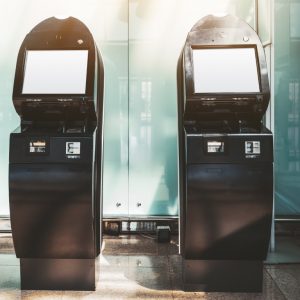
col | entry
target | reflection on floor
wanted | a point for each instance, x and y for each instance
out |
(137, 267)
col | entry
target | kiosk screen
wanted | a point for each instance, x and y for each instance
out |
(225, 70)
(55, 72)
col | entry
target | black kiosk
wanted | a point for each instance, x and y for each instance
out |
(225, 157)
(55, 156)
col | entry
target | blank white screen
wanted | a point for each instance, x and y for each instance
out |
(55, 72)
(225, 70)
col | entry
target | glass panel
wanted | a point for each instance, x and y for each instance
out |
(108, 22)
(114, 48)
(287, 107)
(157, 32)
(264, 20)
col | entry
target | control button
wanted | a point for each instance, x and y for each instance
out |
(245, 38)
(73, 148)
(252, 147)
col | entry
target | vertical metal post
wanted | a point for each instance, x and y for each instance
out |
(270, 118)
(272, 10)
(255, 4)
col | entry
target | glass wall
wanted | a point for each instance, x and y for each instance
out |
(157, 32)
(264, 30)
(287, 106)
(108, 22)
(140, 41)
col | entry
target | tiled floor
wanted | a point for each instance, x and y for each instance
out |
(137, 267)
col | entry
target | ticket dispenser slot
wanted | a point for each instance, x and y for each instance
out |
(215, 147)
(38, 146)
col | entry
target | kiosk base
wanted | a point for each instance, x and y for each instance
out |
(57, 274)
(222, 275)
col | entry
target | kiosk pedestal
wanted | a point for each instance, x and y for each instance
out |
(228, 210)
(52, 211)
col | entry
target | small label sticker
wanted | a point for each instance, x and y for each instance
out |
(252, 147)
(215, 147)
(73, 156)
(73, 148)
(37, 146)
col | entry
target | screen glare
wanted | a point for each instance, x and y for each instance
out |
(55, 72)
(229, 70)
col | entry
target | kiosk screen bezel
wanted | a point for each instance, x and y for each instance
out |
(20, 75)
(32, 55)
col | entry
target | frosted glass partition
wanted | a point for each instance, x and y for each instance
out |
(108, 22)
(157, 32)
(225, 70)
(287, 107)
(55, 72)
(140, 155)
(264, 10)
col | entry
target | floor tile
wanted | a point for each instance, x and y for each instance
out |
(133, 283)
(287, 278)
(80, 295)
(151, 278)
(270, 291)
(158, 261)
(134, 244)
(41, 295)
(137, 267)
(116, 294)
(10, 294)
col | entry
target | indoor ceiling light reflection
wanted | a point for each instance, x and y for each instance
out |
(61, 17)
(220, 14)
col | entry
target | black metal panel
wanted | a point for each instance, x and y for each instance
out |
(56, 148)
(234, 148)
(51, 210)
(228, 210)
(58, 274)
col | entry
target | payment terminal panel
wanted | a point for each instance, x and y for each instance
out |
(55, 157)
(225, 157)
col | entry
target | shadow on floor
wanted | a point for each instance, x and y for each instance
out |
(137, 267)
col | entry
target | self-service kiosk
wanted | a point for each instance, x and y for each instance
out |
(226, 157)
(55, 156)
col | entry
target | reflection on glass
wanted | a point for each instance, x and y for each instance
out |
(295, 20)
(287, 107)
(157, 31)
(108, 22)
